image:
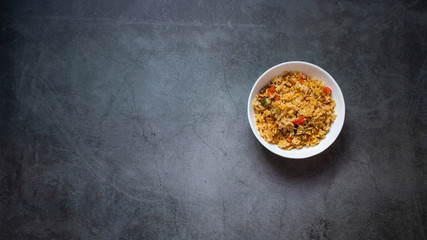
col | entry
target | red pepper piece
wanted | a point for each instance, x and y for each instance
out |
(300, 120)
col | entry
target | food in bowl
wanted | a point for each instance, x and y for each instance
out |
(294, 110)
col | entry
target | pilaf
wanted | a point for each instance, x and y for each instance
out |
(294, 110)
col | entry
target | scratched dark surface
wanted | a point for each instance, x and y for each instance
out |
(127, 120)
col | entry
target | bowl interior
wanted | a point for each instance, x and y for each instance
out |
(313, 71)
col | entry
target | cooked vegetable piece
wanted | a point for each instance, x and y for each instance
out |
(270, 91)
(265, 102)
(300, 120)
(264, 88)
(327, 90)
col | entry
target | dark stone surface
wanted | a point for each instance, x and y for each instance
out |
(127, 120)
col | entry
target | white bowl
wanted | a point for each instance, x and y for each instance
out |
(313, 71)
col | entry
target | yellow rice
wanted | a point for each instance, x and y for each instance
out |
(297, 113)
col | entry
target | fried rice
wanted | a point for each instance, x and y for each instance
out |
(294, 110)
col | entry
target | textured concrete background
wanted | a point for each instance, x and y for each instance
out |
(127, 120)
